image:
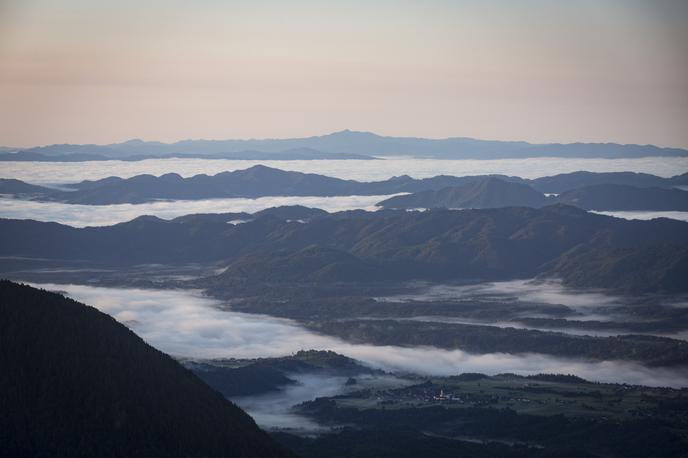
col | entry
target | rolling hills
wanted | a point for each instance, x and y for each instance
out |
(483, 191)
(384, 246)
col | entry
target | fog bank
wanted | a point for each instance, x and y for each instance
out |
(105, 215)
(645, 215)
(184, 323)
(544, 292)
(70, 172)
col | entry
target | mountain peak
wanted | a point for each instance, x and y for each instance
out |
(133, 141)
(353, 134)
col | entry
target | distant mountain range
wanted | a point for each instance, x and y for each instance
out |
(333, 146)
(75, 382)
(581, 248)
(303, 154)
(592, 191)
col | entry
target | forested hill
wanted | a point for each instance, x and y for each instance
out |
(581, 248)
(76, 383)
(496, 193)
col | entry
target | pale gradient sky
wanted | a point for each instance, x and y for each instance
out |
(88, 71)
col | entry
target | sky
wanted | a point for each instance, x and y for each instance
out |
(87, 71)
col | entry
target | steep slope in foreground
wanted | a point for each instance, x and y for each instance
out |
(74, 382)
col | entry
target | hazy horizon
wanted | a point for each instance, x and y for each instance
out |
(325, 134)
(344, 228)
(543, 72)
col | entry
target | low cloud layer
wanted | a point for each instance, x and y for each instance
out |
(66, 172)
(548, 292)
(273, 410)
(518, 325)
(47, 173)
(645, 215)
(184, 323)
(589, 304)
(105, 215)
(435, 361)
(545, 292)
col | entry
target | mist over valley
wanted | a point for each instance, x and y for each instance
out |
(323, 303)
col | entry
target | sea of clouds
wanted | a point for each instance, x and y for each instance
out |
(645, 215)
(70, 172)
(59, 174)
(105, 215)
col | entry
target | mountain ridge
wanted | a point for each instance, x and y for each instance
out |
(488, 193)
(368, 143)
(383, 246)
(495, 193)
(261, 181)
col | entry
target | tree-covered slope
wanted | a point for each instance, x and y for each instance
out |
(358, 246)
(74, 382)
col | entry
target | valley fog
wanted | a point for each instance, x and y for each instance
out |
(344, 229)
(186, 324)
(645, 215)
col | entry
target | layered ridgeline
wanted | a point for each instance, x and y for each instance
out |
(494, 193)
(486, 191)
(75, 382)
(256, 181)
(342, 143)
(313, 247)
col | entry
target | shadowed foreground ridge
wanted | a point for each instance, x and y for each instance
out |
(75, 382)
